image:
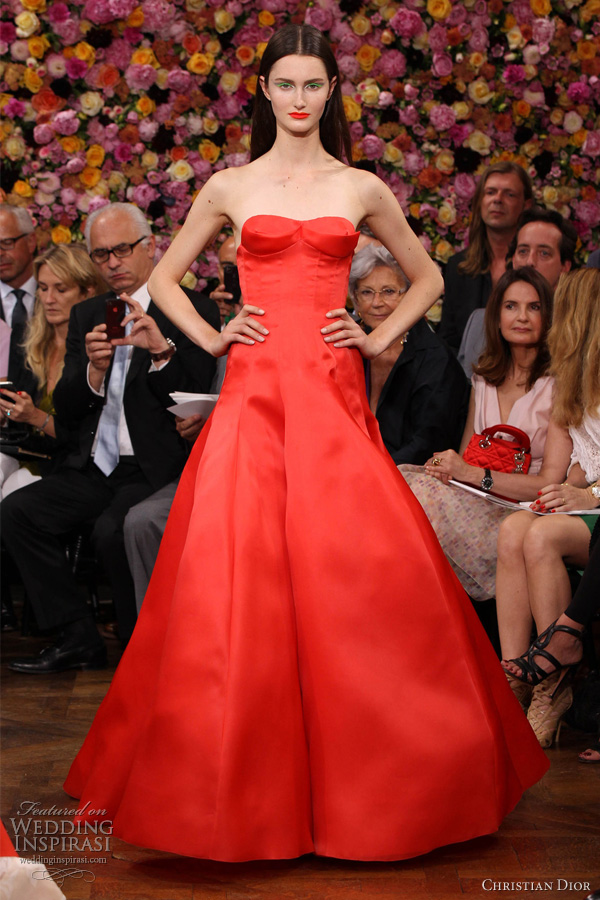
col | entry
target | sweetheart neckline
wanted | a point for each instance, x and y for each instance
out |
(298, 221)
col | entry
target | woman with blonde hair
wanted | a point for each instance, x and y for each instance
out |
(533, 551)
(65, 276)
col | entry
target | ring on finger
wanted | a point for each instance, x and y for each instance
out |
(8, 411)
(436, 461)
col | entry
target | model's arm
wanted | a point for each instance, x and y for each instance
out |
(206, 218)
(386, 220)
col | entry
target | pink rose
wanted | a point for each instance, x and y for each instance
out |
(407, 23)
(15, 109)
(58, 12)
(121, 9)
(158, 14)
(442, 64)
(97, 203)
(42, 134)
(459, 133)
(438, 37)
(8, 32)
(409, 116)
(348, 65)
(68, 196)
(123, 153)
(522, 11)
(19, 51)
(414, 162)
(457, 16)
(97, 11)
(464, 185)
(76, 68)
(356, 131)
(373, 146)
(386, 98)
(118, 53)
(140, 78)
(442, 117)
(350, 43)
(202, 168)
(319, 18)
(588, 212)
(144, 194)
(479, 40)
(147, 129)
(591, 145)
(179, 80)
(75, 165)
(577, 92)
(392, 63)
(237, 159)
(513, 74)
(543, 30)
(68, 32)
(66, 122)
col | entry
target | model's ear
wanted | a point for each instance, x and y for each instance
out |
(332, 84)
(263, 85)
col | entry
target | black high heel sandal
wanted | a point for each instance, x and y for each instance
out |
(533, 674)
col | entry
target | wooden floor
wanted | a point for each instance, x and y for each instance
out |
(553, 834)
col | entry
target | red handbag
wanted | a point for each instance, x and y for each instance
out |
(499, 454)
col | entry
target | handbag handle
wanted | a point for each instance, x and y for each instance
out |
(519, 435)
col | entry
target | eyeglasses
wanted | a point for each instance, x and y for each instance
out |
(369, 295)
(102, 254)
(9, 243)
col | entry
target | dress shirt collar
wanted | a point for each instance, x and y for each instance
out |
(30, 287)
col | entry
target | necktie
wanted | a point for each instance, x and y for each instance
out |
(19, 316)
(107, 448)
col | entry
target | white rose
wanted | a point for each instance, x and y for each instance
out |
(446, 214)
(180, 170)
(230, 82)
(515, 38)
(572, 122)
(91, 103)
(393, 155)
(27, 24)
(479, 142)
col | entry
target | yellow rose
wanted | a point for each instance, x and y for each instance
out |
(32, 80)
(95, 155)
(211, 126)
(91, 102)
(557, 116)
(439, 9)
(260, 49)
(209, 151)
(224, 20)
(550, 195)
(479, 91)
(14, 147)
(421, 41)
(415, 210)
(541, 7)
(117, 181)
(230, 82)
(145, 106)
(444, 161)
(446, 214)
(515, 38)
(369, 92)
(443, 251)
(213, 46)
(90, 176)
(162, 78)
(388, 12)
(85, 52)
(251, 83)
(387, 37)
(479, 142)
(462, 110)
(351, 108)
(149, 159)
(34, 5)
(578, 139)
(61, 234)
(245, 141)
(136, 18)
(22, 189)
(367, 56)
(361, 25)
(38, 44)
(195, 5)
(200, 63)
(71, 144)
(586, 49)
(189, 281)
(476, 60)
(144, 56)
(590, 10)
(27, 24)
(393, 155)
(100, 190)
(265, 18)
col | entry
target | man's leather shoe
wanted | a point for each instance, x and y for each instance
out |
(60, 657)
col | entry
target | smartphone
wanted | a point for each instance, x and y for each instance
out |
(231, 280)
(8, 386)
(115, 313)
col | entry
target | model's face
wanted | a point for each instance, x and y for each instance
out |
(521, 315)
(16, 262)
(503, 201)
(298, 88)
(57, 296)
(538, 245)
(378, 295)
(126, 273)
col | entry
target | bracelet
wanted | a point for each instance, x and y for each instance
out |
(594, 492)
(45, 422)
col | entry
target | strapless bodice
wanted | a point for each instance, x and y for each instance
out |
(332, 235)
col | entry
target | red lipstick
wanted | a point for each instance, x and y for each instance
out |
(299, 115)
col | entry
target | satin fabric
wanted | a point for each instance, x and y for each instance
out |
(306, 673)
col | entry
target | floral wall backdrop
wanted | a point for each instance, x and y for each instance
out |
(107, 100)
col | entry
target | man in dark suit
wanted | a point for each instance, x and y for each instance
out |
(114, 396)
(17, 287)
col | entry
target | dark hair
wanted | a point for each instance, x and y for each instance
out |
(478, 256)
(495, 361)
(301, 40)
(568, 232)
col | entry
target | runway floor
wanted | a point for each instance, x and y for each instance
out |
(552, 838)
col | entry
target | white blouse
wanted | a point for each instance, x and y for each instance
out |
(586, 445)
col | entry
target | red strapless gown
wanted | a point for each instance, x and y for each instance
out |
(307, 673)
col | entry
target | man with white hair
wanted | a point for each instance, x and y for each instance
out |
(113, 398)
(17, 286)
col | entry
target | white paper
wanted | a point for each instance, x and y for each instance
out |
(187, 404)
(522, 504)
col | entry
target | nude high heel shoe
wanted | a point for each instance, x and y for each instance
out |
(521, 690)
(549, 702)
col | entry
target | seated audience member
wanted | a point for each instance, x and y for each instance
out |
(227, 309)
(511, 386)
(65, 275)
(593, 260)
(546, 241)
(114, 394)
(532, 581)
(17, 286)
(416, 388)
(503, 192)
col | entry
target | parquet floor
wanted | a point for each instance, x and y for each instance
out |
(552, 837)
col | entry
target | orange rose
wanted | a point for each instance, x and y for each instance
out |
(95, 155)
(144, 56)
(177, 153)
(265, 18)
(129, 134)
(107, 76)
(245, 55)
(209, 151)
(90, 176)
(367, 56)
(429, 177)
(439, 9)
(145, 106)
(200, 63)
(61, 234)
(521, 109)
(250, 84)
(136, 18)
(71, 144)
(233, 132)
(46, 101)
(415, 210)
(32, 81)
(591, 66)
(589, 10)
(588, 192)
(351, 108)
(191, 43)
(541, 7)
(578, 139)
(586, 49)
(454, 37)
(403, 141)
(22, 189)
(85, 52)
(503, 122)
(34, 5)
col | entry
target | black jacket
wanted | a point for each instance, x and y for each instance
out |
(462, 295)
(159, 450)
(424, 401)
